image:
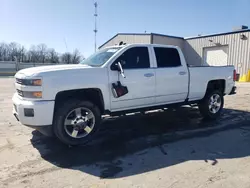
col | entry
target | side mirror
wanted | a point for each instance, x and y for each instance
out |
(120, 69)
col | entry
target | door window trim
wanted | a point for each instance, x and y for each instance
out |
(151, 66)
(155, 59)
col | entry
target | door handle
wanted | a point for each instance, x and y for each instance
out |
(148, 75)
(182, 73)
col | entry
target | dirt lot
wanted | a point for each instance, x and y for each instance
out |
(165, 149)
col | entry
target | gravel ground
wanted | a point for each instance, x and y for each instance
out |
(165, 149)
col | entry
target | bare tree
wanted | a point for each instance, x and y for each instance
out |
(2, 51)
(5, 52)
(21, 54)
(66, 58)
(8, 52)
(33, 54)
(39, 53)
(42, 51)
(14, 48)
(76, 57)
(53, 56)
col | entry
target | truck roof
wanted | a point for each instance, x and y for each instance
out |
(140, 44)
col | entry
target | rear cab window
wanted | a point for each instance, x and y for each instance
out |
(167, 57)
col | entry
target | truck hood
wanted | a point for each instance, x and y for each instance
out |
(38, 71)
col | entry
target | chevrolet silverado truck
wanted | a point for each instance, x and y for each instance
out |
(69, 101)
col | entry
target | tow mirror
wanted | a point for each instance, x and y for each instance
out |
(120, 69)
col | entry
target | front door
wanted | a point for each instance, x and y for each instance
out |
(139, 79)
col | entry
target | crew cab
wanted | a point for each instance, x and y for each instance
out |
(68, 101)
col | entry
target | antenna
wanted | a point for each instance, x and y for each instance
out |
(65, 44)
(95, 16)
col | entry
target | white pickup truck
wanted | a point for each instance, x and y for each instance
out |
(68, 101)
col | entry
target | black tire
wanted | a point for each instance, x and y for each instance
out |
(61, 114)
(204, 105)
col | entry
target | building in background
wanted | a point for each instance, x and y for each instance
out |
(221, 49)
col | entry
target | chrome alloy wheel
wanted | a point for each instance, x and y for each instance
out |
(214, 104)
(79, 122)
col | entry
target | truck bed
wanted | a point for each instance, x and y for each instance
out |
(199, 83)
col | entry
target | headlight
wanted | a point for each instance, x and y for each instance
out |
(32, 94)
(29, 82)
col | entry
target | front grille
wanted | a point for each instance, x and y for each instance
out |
(19, 81)
(20, 93)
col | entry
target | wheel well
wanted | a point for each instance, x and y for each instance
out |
(94, 95)
(216, 85)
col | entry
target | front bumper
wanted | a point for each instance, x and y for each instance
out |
(233, 91)
(43, 111)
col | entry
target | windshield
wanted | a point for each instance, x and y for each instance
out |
(100, 57)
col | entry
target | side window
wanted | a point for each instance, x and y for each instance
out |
(135, 58)
(167, 57)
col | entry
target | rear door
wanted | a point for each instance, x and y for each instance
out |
(171, 76)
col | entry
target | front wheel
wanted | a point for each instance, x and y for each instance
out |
(212, 104)
(76, 122)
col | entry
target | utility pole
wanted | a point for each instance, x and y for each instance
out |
(95, 16)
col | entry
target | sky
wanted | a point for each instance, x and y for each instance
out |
(68, 24)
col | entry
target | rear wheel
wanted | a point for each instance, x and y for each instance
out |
(212, 104)
(76, 122)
